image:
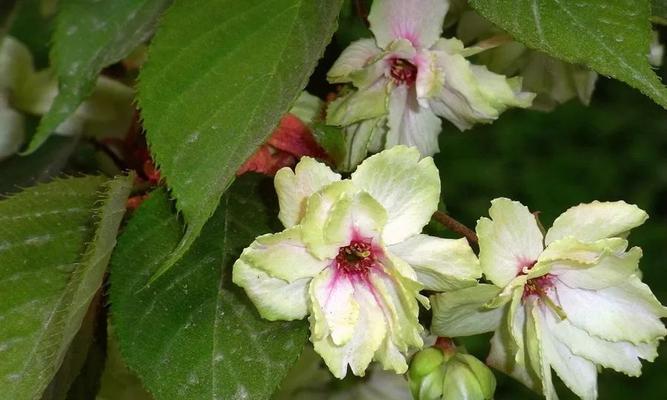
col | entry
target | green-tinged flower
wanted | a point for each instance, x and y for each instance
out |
(570, 300)
(352, 258)
(554, 81)
(412, 76)
(656, 51)
(106, 113)
(15, 61)
(444, 373)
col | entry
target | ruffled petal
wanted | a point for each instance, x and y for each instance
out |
(462, 312)
(274, 298)
(596, 220)
(396, 296)
(408, 188)
(441, 264)
(334, 294)
(628, 312)
(419, 21)
(283, 255)
(621, 356)
(471, 93)
(578, 373)
(358, 105)
(353, 216)
(318, 210)
(508, 349)
(363, 338)
(596, 265)
(360, 138)
(357, 56)
(410, 124)
(508, 242)
(294, 188)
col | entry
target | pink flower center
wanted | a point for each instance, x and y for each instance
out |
(538, 286)
(355, 258)
(403, 72)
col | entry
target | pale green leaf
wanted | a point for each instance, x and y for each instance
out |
(193, 334)
(55, 242)
(90, 35)
(219, 76)
(611, 37)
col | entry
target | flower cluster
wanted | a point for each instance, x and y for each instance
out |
(353, 259)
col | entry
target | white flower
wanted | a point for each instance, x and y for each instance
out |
(571, 300)
(412, 76)
(352, 258)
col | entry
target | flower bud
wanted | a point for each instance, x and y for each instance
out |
(437, 373)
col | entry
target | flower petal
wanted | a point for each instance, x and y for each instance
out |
(628, 312)
(597, 265)
(441, 264)
(367, 335)
(274, 298)
(462, 312)
(508, 242)
(334, 294)
(283, 255)
(507, 351)
(410, 124)
(16, 63)
(294, 188)
(621, 356)
(12, 132)
(471, 93)
(318, 210)
(409, 189)
(596, 220)
(358, 105)
(419, 21)
(357, 56)
(360, 138)
(396, 296)
(354, 215)
(307, 108)
(578, 373)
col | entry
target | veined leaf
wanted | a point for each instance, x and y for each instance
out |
(611, 37)
(55, 242)
(220, 75)
(90, 35)
(193, 334)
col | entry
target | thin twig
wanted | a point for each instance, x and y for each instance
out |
(457, 227)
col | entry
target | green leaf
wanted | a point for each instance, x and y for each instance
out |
(46, 284)
(219, 76)
(89, 36)
(193, 334)
(613, 38)
(80, 371)
(118, 382)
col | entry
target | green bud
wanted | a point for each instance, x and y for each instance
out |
(433, 376)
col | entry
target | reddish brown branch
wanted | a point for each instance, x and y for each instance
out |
(457, 227)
